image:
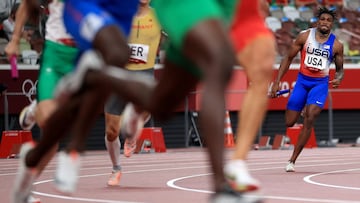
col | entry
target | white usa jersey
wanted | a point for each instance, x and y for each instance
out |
(316, 57)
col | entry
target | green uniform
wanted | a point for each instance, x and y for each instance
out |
(178, 18)
(57, 60)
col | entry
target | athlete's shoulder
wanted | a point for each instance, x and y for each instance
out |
(338, 46)
(305, 32)
(303, 35)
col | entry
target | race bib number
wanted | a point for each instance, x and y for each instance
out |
(315, 63)
(139, 53)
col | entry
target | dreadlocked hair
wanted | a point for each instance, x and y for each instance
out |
(323, 10)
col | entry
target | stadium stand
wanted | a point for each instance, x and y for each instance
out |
(352, 4)
(288, 18)
(276, 11)
(273, 23)
(306, 13)
(291, 12)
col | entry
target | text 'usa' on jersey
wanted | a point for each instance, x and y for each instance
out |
(316, 57)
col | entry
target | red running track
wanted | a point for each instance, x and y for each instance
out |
(328, 175)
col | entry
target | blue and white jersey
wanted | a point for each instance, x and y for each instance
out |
(84, 18)
(316, 57)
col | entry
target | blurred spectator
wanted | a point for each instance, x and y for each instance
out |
(337, 3)
(354, 44)
(5, 8)
(312, 4)
(278, 2)
(35, 28)
(9, 23)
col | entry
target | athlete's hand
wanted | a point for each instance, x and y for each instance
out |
(274, 88)
(12, 48)
(335, 83)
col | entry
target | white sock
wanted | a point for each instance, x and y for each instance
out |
(114, 151)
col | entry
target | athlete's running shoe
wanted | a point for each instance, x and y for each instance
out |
(129, 146)
(229, 195)
(25, 177)
(33, 199)
(290, 167)
(114, 178)
(131, 126)
(239, 177)
(67, 171)
(71, 83)
(27, 116)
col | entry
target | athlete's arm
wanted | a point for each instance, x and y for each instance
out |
(286, 61)
(339, 61)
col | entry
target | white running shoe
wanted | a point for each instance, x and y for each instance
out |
(239, 177)
(114, 178)
(32, 199)
(67, 171)
(71, 83)
(27, 116)
(290, 167)
(25, 177)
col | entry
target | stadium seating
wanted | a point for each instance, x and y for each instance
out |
(288, 18)
(352, 4)
(299, 3)
(306, 13)
(281, 2)
(291, 12)
(276, 11)
(273, 23)
(338, 3)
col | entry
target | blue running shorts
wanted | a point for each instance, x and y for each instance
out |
(308, 90)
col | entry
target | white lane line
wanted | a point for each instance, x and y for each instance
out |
(309, 177)
(102, 174)
(189, 189)
(80, 198)
(172, 184)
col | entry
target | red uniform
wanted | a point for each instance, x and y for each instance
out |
(248, 24)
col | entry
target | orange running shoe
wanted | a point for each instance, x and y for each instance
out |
(114, 178)
(129, 147)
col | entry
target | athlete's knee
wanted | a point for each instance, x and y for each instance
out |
(310, 117)
(116, 54)
(291, 117)
(111, 133)
(290, 123)
(309, 121)
(225, 61)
